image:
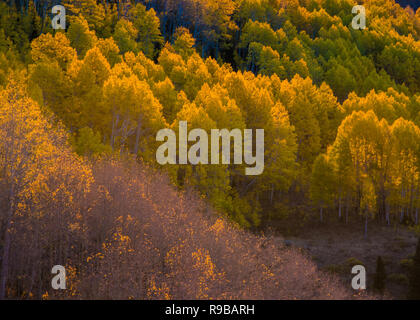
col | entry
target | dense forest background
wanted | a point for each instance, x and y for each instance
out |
(80, 109)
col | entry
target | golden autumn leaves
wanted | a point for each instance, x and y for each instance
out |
(339, 109)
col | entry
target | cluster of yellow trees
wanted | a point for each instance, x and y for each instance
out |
(114, 102)
(373, 167)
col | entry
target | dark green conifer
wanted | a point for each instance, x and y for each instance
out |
(414, 286)
(380, 276)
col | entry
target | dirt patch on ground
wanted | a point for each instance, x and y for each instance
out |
(336, 247)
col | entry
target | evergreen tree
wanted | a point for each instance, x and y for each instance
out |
(380, 276)
(414, 289)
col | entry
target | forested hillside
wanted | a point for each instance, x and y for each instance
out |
(122, 231)
(81, 107)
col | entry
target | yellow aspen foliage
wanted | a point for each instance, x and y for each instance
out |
(81, 38)
(121, 70)
(133, 108)
(125, 35)
(109, 50)
(147, 25)
(51, 48)
(220, 108)
(168, 97)
(184, 43)
(93, 12)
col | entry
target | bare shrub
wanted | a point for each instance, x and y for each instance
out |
(163, 244)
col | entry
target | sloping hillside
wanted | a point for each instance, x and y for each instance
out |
(122, 231)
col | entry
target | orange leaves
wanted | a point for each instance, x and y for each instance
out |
(218, 226)
(161, 293)
(203, 264)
